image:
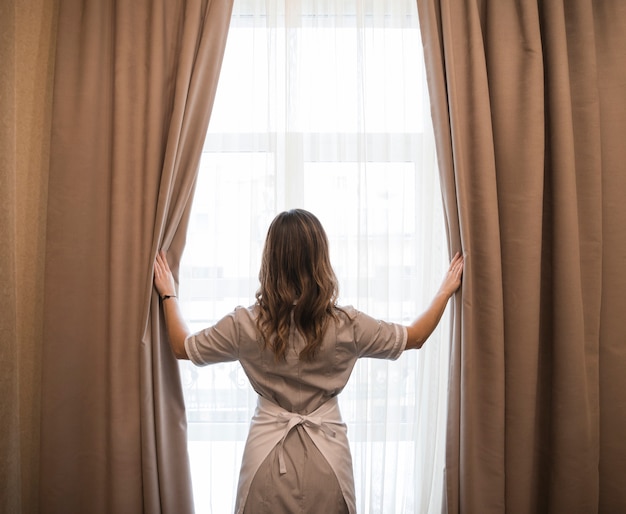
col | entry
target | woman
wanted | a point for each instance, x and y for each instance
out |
(298, 349)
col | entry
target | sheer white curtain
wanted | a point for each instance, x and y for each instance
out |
(323, 105)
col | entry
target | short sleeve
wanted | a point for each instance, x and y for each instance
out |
(378, 339)
(218, 343)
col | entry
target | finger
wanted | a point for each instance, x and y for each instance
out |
(160, 268)
(161, 258)
(164, 263)
(454, 262)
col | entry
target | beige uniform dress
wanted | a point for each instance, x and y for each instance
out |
(297, 458)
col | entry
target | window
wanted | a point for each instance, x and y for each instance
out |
(325, 110)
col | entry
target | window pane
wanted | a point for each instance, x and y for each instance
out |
(349, 81)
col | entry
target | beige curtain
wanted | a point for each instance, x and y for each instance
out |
(26, 57)
(134, 87)
(9, 377)
(529, 107)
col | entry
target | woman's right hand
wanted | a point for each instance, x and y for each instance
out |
(419, 331)
(452, 279)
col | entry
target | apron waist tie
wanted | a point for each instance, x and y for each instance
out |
(291, 419)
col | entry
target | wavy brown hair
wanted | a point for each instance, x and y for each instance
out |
(296, 277)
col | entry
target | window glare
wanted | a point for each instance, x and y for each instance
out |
(382, 94)
(328, 112)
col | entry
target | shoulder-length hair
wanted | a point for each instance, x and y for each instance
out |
(297, 280)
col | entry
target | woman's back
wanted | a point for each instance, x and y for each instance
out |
(298, 349)
(296, 384)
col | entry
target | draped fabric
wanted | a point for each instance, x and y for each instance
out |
(27, 57)
(9, 381)
(529, 109)
(134, 87)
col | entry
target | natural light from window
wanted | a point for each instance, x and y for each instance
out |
(327, 111)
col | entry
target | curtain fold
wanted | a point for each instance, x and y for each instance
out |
(529, 103)
(134, 87)
(10, 469)
(26, 54)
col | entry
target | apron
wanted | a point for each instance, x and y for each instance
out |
(270, 426)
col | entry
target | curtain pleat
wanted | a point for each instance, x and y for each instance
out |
(134, 87)
(528, 102)
(610, 40)
(10, 469)
(26, 54)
